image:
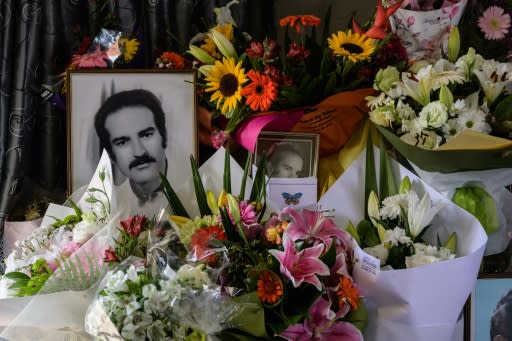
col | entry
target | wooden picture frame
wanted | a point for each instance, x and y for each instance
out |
(304, 145)
(489, 288)
(89, 89)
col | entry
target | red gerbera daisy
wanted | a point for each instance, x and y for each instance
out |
(261, 92)
(200, 242)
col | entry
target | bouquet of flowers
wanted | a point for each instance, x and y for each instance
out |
(133, 304)
(403, 302)
(36, 258)
(449, 118)
(240, 77)
(294, 268)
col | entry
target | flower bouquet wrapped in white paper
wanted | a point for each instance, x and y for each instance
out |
(57, 263)
(409, 304)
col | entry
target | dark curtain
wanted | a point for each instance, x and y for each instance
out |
(37, 39)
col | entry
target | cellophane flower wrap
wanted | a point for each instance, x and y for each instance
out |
(288, 274)
(423, 26)
(450, 120)
(63, 260)
(242, 78)
(406, 304)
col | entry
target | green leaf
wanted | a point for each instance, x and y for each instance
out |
(370, 176)
(387, 180)
(175, 203)
(245, 175)
(227, 171)
(503, 111)
(358, 317)
(75, 207)
(202, 203)
(351, 229)
(258, 186)
(229, 228)
(479, 203)
(329, 258)
(16, 276)
(368, 234)
(396, 257)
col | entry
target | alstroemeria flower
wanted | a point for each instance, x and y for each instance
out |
(311, 224)
(322, 326)
(302, 266)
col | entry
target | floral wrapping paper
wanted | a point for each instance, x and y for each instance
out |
(424, 33)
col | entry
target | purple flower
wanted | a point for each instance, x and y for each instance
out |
(322, 326)
(311, 224)
(302, 266)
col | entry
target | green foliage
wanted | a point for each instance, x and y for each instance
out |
(202, 203)
(479, 203)
(172, 198)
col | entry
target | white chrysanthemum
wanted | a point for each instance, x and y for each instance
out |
(392, 206)
(474, 120)
(445, 254)
(452, 128)
(374, 101)
(419, 259)
(396, 236)
(434, 114)
(378, 251)
(405, 112)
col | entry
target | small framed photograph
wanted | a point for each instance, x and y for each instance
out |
(488, 312)
(144, 119)
(288, 155)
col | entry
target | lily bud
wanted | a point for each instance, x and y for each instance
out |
(234, 208)
(223, 44)
(451, 243)
(211, 200)
(446, 97)
(373, 207)
(200, 54)
(453, 44)
(405, 185)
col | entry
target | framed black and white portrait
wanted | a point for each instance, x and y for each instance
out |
(144, 119)
(288, 155)
(488, 312)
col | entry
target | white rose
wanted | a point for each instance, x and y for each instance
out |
(84, 230)
(419, 259)
(434, 114)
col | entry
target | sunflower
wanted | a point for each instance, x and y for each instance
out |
(129, 47)
(262, 91)
(225, 80)
(356, 47)
(270, 287)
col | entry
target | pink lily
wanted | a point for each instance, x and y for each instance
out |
(380, 26)
(302, 266)
(311, 224)
(322, 326)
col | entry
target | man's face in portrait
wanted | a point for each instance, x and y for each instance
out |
(136, 144)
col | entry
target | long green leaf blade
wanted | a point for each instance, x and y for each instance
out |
(244, 177)
(175, 203)
(202, 203)
(388, 185)
(227, 170)
(370, 176)
(258, 186)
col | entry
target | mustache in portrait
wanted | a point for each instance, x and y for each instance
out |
(140, 160)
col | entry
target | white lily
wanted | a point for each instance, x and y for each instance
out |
(223, 14)
(494, 77)
(420, 212)
(418, 89)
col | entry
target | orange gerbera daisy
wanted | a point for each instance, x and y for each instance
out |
(261, 92)
(200, 243)
(270, 287)
(298, 21)
(172, 60)
(348, 293)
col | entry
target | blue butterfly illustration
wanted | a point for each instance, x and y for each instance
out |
(291, 199)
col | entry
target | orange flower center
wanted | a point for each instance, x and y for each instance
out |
(270, 288)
